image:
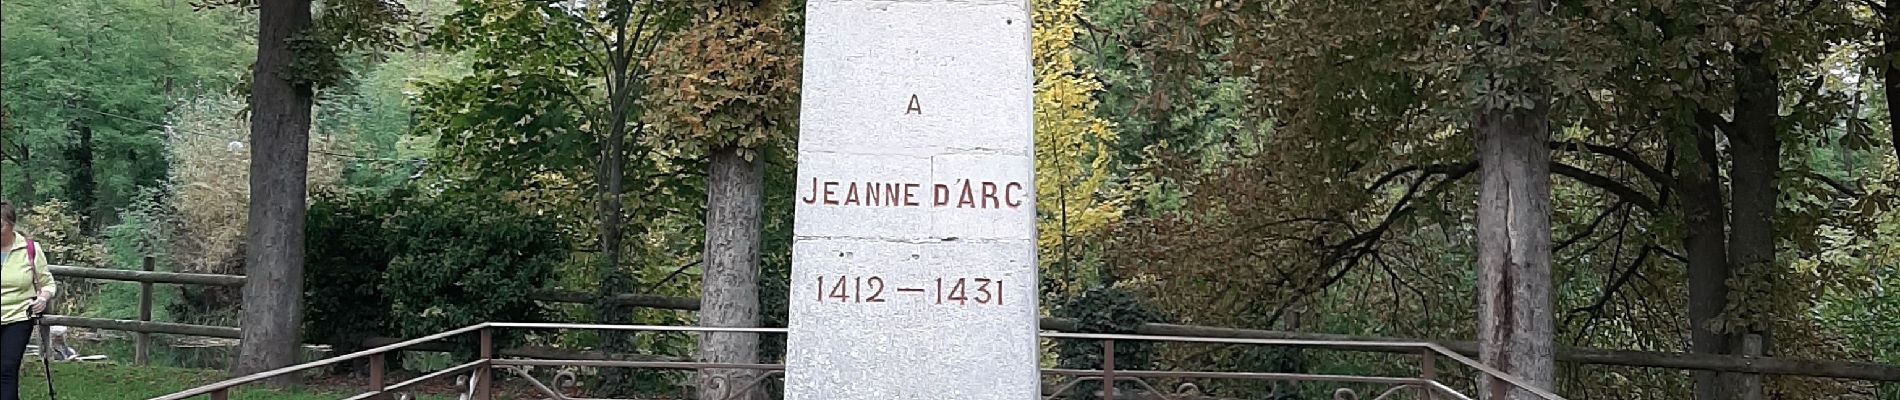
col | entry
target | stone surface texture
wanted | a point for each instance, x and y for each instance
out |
(938, 267)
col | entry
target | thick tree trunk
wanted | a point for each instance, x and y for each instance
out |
(1515, 318)
(1515, 321)
(1707, 247)
(280, 142)
(1756, 160)
(1516, 324)
(730, 294)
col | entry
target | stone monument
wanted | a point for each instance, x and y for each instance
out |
(914, 262)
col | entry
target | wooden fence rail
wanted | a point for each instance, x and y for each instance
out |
(1648, 359)
(144, 327)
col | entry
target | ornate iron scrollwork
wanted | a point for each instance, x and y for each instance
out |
(564, 380)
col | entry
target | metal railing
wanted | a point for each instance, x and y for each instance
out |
(1787, 366)
(477, 376)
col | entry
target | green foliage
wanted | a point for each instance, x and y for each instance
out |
(339, 29)
(112, 68)
(408, 264)
(343, 299)
(139, 234)
(524, 109)
(372, 115)
(463, 259)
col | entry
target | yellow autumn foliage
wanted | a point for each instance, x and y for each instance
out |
(1073, 156)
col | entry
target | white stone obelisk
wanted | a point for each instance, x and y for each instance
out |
(914, 264)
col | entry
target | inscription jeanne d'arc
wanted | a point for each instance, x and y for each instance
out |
(963, 193)
(914, 256)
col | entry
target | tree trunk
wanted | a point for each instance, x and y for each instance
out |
(29, 194)
(83, 187)
(1516, 325)
(614, 282)
(729, 292)
(1707, 247)
(1756, 152)
(280, 142)
(1891, 72)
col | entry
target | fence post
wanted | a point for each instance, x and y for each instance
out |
(142, 342)
(483, 373)
(1428, 372)
(376, 366)
(221, 394)
(1108, 369)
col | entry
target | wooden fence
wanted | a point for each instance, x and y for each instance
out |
(1648, 359)
(144, 327)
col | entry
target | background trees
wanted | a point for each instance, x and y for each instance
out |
(1718, 172)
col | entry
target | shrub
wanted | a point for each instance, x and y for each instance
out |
(346, 253)
(465, 259)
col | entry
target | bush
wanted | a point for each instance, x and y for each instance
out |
(467, 259)
(346, 252)
(409, 265)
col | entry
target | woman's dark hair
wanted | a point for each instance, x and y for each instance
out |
(7, 215)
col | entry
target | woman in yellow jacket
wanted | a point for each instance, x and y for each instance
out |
(25, 287)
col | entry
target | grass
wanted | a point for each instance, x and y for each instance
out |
(103, 381)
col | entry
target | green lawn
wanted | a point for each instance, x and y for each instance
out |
(101, 381)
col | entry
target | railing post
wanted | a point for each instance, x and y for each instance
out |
(376, 366)
(221, 394)
(46, 341)
(484, 372)
(1108, 369)
(142, 342)
(1428, 372)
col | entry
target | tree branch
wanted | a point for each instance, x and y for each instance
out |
(1595, 309)
(1660, 178)
(1831, 182)
(1628, 194)
(1592, 229)
(1430, 169)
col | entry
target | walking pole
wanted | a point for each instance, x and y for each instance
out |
(46, 363)
(46, 341)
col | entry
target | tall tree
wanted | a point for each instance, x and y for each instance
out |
(1755, 145)
(635, 32)
(1516, 331)
(730, 90)
(297, 54)
(1073, 158)
(575, 76)
(280, 140)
